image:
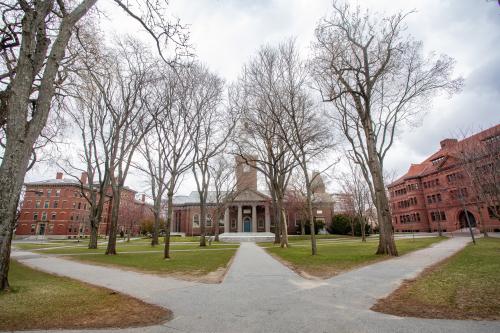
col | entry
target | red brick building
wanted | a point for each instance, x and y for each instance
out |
(438, 193)
(250, 210)
(55, 208)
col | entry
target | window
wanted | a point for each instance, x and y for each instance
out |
(35, 217)
(260, 223)
(221, 223)
(493, 211)
(196, 221)
(438, 160)
(438, 196)
(44, 216)
(319, 211)
(79, 205)
(55, 204)
(33, 227)
(53, 217)
(233, 223)
(46, 204)
(37, 204)
(49, 192)
(74, 205)
(58, 193)
(208, 221)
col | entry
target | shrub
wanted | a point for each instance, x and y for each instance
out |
(341, 225)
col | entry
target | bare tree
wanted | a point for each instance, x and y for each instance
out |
(173, 125)
(224, 188)
(33, 40)
(259, 140)
(376, 79)
(123, 84)
(212, 127)
(156, 169)
(355, 186)
(301, 124)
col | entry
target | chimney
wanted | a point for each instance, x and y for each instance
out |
(143, 198)
(446, 143)
(59, 175)
(83, 178)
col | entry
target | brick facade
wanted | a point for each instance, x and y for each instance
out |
(56, 209)
(437, 193)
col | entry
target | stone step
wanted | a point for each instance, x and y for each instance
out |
(238, 237)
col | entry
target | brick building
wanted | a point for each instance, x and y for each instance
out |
(438, 192)
(55, 208)
(250, 210)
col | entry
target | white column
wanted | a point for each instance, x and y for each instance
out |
(254, 218)
(240, 219)
(226, 220)
(267, 219)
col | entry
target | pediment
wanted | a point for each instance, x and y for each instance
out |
(250, 195)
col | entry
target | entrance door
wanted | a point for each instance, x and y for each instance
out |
(247, 224)
(463, 220)
(41, 231)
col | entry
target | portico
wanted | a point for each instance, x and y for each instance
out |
(247, 217)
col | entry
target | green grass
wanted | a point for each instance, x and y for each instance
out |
(466, 286)
(194, 263)
(39, 300)
(292, 238)
(335, 257)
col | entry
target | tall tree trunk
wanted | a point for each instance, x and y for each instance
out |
(314, 247)
(156, 227)
(363, 227)
(386, 244)
(21, 135)
(113, 230)
(166, 251)
(283, 223)
(94, 229)
(277, 221)
(302, 227)
(203, 218)
(216, 228)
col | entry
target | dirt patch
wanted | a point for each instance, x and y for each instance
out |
(403, 303)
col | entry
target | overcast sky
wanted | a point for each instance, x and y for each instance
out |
(226, 33)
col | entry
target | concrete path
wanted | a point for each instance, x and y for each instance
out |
(261, 295)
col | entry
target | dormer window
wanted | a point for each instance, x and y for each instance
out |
(438, 160)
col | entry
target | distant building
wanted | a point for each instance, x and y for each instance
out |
(55, 208)
(250, 209)
(436, 193)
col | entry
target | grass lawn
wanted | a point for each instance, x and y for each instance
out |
(39, 300)
(189, 264)
(465, 286)
(336, 257)
(292, 238)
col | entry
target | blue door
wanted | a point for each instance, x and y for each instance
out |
(247, 224)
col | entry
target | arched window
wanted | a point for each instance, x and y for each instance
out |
(196, 221)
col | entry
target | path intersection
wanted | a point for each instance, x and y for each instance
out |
(259, 294)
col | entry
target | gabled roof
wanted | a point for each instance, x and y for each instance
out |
(445, 156)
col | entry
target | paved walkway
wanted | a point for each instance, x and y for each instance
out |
(261, 295)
